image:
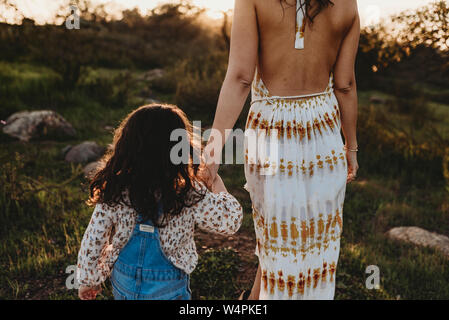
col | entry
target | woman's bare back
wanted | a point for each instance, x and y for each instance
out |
(288, 71)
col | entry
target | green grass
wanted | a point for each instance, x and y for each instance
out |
(44, 214)
(373, 207)
(215, 275)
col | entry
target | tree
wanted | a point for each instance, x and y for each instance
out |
(427, 25)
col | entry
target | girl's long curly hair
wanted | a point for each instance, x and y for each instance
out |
(138, 165)
(312, 7)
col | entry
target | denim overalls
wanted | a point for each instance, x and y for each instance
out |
(143, 272)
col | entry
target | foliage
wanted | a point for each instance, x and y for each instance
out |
(199, 82)
(412, 45)
(427, 25)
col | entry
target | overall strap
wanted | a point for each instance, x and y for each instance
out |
(300, 24)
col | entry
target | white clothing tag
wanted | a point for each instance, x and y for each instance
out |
(146, 228)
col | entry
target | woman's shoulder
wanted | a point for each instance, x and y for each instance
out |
(346, 8)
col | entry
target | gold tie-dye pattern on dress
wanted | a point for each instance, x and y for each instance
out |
(328, 162)
(297, 237)
(301, 283)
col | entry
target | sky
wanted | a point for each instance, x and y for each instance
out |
(370, 10)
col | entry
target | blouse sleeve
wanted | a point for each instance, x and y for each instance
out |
(218, 213)
(91, 270)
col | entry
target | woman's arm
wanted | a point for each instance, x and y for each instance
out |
(346, 91)
(240, 73)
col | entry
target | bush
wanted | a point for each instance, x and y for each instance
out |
(199, 81)
(109, 90)
(412, 102)
(24, 86)
(401, 141)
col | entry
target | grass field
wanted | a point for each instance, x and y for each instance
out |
(43, 211)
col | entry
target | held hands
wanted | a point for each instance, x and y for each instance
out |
(88, 293)
(210, 161)
(209, 175)
(208, 171)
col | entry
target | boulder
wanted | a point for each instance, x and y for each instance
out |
(87, 151)
(153, 74)
(66, 149)
(90, 169)
(378, 100)
(421, 237)
(27, 125)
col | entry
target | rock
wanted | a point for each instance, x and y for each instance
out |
(421, 237)
(27, 125)
(85, 152)
(66, 149)
(91, 169)
(153, 74)
(378, 100)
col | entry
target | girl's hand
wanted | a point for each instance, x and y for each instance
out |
(353, 165)
(88, 293)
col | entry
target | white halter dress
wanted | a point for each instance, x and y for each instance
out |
(296, 176)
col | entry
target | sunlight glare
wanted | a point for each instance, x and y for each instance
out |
(215, 7)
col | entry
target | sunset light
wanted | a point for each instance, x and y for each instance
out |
(42, 11)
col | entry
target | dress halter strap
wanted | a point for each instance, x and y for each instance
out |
(267, 96)
(300, 24)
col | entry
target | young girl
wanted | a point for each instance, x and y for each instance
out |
(141, 231)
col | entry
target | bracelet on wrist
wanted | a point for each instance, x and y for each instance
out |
(356, 149)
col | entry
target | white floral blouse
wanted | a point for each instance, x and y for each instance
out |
(218, 213)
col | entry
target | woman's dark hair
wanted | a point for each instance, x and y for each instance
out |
(138, 163)
(313, 7)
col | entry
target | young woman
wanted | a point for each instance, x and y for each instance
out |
(146, 207)
(298, 59)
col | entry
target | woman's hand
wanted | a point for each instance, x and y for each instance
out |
(88, 293)
(353, 165)
(208, 173)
